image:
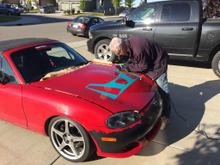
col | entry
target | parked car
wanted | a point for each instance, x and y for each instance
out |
(18, 7)
(47, 9)
(8, 10)
(81, 24)
(178, 26)
(125, 12)
(84, 107)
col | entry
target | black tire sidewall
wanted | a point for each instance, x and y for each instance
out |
(215, 62)
(89, 147)
(104, 41)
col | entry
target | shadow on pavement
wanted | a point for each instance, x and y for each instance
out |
(37, 19)
(205, 151)
(187, 111)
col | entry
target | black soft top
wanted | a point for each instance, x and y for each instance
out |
(16, 43)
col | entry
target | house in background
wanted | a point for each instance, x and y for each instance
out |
(10, 1)
(92, 5)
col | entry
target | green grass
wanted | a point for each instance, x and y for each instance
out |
(34, 11)
(91, 14)
(8, 18)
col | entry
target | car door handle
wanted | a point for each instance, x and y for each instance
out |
(147, 29)
(187, 28)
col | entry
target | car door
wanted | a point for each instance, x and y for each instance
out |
(145, 19)
(10, 96)
(178, 28)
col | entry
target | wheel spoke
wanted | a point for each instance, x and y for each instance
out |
(77, 139)
(105, 57)
(104, 47)
(57, 132)
(73, 149)
(101, 50)
(66, 126)
(100, 55)
(61, 146)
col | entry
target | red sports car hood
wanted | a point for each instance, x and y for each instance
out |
(105, 86)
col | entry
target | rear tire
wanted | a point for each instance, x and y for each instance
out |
(216, 64)
(102, 50)
(70, 139)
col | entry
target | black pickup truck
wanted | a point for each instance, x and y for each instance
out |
(178, 26)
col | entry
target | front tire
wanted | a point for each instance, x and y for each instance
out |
(70, 139)
(103, 52)
(216, 64)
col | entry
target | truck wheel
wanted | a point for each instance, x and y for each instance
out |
(216, 64)
(102, 51)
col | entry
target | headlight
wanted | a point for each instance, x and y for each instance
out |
(122, 119)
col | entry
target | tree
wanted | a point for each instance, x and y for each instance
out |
(143, 2)
(116, 4)
(129, 3)
(83, 5)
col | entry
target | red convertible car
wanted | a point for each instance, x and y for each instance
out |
(84, 107)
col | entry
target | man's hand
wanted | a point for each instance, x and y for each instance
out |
(103, 62)
(118, 67)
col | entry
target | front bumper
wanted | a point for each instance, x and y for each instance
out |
(90, 45)
(76, 31)
(130, 140)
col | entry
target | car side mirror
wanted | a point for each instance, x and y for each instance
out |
(4, 79)
(130, 23)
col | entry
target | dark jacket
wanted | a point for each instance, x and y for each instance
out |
(145, 57)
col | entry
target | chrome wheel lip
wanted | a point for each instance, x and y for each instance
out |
(62, 140)
(103, 52)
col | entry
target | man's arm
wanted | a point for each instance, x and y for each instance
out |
(160, 62)
(103, 62)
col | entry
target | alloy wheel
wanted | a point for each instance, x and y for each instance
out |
(103, 52)
(67, 139)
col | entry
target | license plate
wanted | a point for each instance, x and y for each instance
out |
(75, 26)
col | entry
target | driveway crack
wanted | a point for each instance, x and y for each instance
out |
(54, 160)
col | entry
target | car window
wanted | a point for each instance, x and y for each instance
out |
(175, 12)
(94, 21)
(6, 69)
(35, 62)
(82, 20)
(101, 20)
(59, 52)
(143, 14)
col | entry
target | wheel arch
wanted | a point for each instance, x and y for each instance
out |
(47, 123)
(213, 52)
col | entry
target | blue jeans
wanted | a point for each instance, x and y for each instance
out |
(163, 88)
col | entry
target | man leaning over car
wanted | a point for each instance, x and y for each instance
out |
(148, 58)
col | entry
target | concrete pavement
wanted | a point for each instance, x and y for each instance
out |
(192, 138)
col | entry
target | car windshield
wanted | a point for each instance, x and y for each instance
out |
(142, 14)
(81, 20)
(36, 62)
